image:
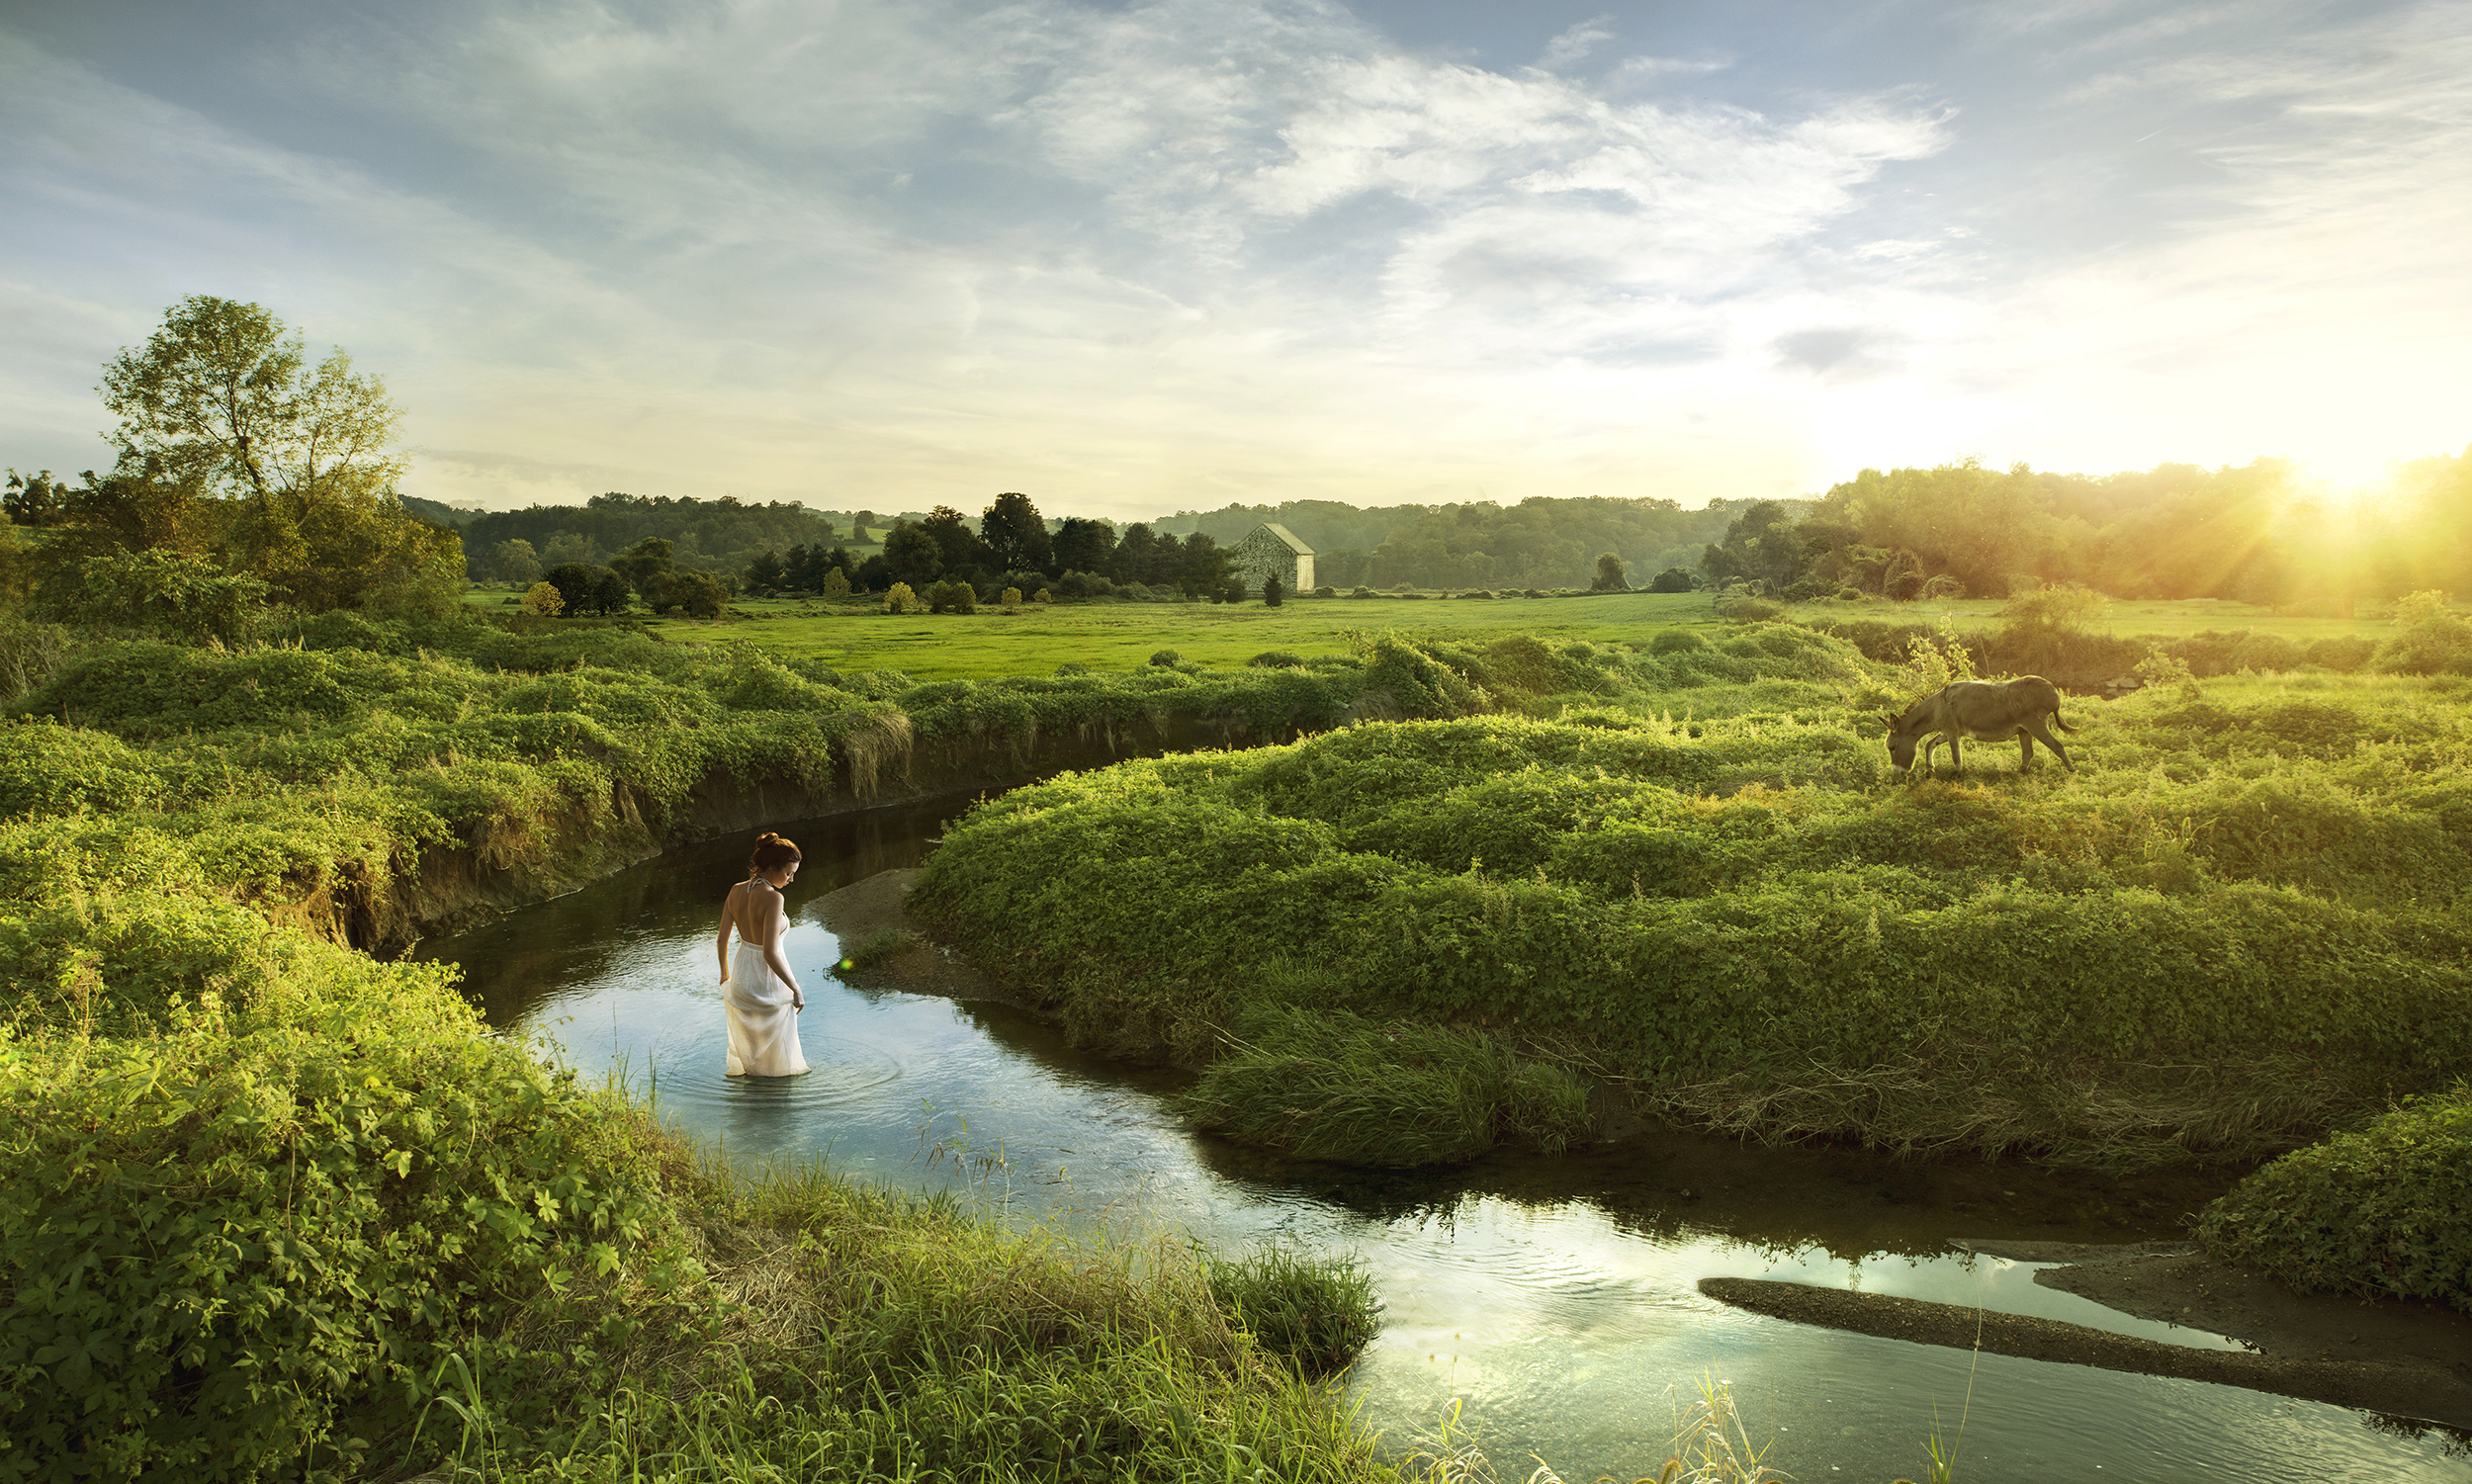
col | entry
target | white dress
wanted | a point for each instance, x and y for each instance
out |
(764, 1028)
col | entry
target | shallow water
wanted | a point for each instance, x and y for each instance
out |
(1555, 1298)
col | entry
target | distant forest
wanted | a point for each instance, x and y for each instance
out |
(2259, 533)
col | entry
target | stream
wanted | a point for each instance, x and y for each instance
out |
(1555, 1299)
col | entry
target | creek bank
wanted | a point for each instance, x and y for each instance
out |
(453, 885)
(2401, 1359)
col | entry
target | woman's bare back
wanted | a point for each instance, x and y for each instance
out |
(755, 910)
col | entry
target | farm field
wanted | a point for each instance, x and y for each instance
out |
(1119, 635)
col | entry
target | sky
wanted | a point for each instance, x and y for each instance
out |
(1132, 258)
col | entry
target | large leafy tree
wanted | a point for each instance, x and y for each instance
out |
(229, 437)
(912, 555)
(1013, 528)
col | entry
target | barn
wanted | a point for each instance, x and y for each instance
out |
(1273, 551)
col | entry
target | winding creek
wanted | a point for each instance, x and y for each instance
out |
(1556, 1299)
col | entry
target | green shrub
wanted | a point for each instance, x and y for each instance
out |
(1166, 660)
(1271, 659)
(2384, 1211)
(1676, 642)
(2265, 651)
(54, 770)
(2429, 640)
(2344, 652)
(260, 1246)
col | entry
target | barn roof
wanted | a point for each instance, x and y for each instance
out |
(1286, 536)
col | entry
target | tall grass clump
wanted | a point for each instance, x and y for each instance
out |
(1329, 1086)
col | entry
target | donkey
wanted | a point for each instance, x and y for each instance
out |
(1985, 710)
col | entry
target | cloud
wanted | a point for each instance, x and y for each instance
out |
(1576, 43)
(1182, 250)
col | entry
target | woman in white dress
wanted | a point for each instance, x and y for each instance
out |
(760, 993)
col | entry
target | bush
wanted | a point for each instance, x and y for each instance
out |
(1903, 588)
(1326, 592)
(2265, 651)
(2346, 652)
(542, 600)
(1043, 596)
(1672, 579)
(952, 597)
(1012, 597)
(1166, 660)
(1361, 591)
(900, 599)
(1850, 594)
(2384, 1211)
(1806, 590)
(1676, 642)
(2429, 640)
(242, 1251)
(1270, 660)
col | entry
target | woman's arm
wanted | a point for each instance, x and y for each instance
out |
(721, 944)
(776, 920)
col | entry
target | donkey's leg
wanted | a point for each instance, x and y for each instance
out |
(2049, 740)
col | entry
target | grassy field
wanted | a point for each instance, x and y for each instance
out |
(1118, 636)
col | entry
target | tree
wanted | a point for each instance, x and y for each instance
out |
(33, 499)
(1085, 546)
(1014, 532)
(899, 598)
(1672, 579)
(1205, 568)
(1136, 556)
(545, 600)
(515, 562)
(765, 574)
(1272, 593)
(952, 597)
(958, 545)
(836, 583)
(584, 588)
(1609, 575)
(294, 465)
(860, 523)
(911, 555)
(699, 594)
(648, 569)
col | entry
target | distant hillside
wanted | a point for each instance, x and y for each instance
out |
(710, 535)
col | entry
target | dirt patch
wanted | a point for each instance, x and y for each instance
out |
(2394, 1385)
(864, 910)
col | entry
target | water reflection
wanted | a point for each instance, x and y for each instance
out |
(1559, 1298)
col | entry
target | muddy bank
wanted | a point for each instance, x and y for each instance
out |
(866, 910)
(2423, 1378)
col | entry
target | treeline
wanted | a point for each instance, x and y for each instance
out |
(1536, 543)
(717, 536)
(2263, 533)
(1010, 545)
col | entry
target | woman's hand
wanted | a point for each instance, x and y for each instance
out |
(798, 1002)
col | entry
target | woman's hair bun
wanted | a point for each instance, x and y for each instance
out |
(772, 853)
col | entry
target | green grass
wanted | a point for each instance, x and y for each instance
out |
(2162, 618)
(1107, 635)
(2238, 920)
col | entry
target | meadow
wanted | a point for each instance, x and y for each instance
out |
(1036, 637)
(275, 1204)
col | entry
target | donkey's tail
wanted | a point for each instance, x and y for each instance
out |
(2057, 722)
